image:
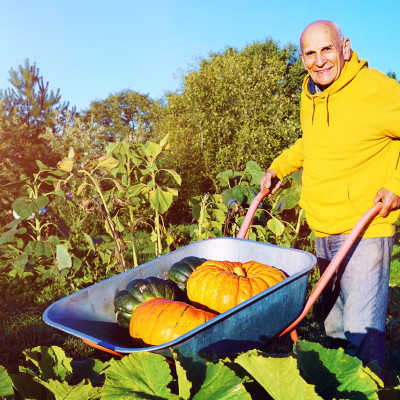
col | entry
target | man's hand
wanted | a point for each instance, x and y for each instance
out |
(266, 181)
(389, 200)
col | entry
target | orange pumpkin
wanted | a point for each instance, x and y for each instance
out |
(220, 285)
(159, 321)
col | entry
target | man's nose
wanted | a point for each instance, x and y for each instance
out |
(319, 59)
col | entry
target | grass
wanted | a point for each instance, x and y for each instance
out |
(394, 278)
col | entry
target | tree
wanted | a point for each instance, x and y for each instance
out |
(124, 114)
(392, 75)
(235, 106)
(30, 106)
(26, 111)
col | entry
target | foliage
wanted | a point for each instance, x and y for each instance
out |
(87, 139)
(53, 372)
(34, 106)
(50, 237)
(278, 220)
(147, 185)
(311, 372)
(12, 132)
(39, 245)
(209, 212)
(288, 221)
(124, 114)
(26, 111)
(232, 107)
(392, 75)
(222, 214)
(94, 173)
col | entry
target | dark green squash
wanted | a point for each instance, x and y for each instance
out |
(138, 292)
(181, 270)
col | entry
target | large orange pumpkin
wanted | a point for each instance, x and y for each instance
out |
(159, 321)
(220, 285)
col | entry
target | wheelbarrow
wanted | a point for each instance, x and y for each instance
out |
(89, 313)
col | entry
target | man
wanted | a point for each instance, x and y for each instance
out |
(349, 152)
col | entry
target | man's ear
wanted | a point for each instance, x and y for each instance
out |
(347, 49)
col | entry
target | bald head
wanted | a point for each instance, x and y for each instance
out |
(322, 26)
(324, 51)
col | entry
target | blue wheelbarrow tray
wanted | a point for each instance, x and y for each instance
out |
(89, 313)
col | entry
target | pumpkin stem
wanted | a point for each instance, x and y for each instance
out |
(239, 271)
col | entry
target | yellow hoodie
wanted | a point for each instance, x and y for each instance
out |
(349, 150)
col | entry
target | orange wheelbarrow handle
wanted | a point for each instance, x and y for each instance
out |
(332, 267)
(334, 264)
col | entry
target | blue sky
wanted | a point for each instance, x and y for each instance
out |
(90, 49)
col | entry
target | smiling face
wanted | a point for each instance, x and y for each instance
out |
(324, 51)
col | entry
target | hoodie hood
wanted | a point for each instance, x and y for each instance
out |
(349, 71)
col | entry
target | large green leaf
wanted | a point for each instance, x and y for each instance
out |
(279, 376)
(161, 200)
(23, 207)
(164, 140)
(221, 383)
(135, 190)
(119, 226)
(153, 150)
(27, 387)
(275, 226)
(91, 369)
(63, 257)
(175, 175)
(336, 374)
(64, 391)
(50, 361)
(224, 178)
(107, 163)
(290, 200)
(42, 167)
(173, 191)
(140, 375)
(65, 165)
(219, 215)
(184, 384)
(6, 387)
(37, 247)
(8, 236)
(89, 242)
(116, 148)
(255, 171)
(20, 263)
(240, 193)
(196, 211)
(41, 202)
(59, 374)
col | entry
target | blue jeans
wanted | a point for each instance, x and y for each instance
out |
(355, 301)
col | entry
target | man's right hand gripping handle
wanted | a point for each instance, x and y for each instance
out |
(271, 181)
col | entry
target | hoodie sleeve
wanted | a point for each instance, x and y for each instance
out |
(391, 124)
(289, 161)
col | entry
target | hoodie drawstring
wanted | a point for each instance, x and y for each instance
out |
(327, 109)
(313, 111)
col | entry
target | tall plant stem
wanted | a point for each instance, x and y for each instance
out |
(119, 255)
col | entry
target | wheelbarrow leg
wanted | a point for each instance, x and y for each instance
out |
(293, 336)
(97, 346)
